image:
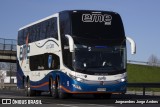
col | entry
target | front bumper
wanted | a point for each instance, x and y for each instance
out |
(74, 86)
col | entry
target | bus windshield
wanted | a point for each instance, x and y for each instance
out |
(99, 59)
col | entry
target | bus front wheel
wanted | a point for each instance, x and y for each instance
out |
(28, 90)
(61, 94)
(53, 89)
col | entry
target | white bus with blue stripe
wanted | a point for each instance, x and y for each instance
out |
(73, 52)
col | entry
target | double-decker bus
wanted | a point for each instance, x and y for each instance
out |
(73, 52)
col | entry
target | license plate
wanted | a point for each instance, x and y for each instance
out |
(101, 89)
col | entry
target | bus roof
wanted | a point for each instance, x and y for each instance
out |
(56, 15)
(41, 20)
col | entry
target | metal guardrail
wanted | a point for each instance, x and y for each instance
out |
(8, 50)
(143, 63)
(144, 85)
(137, 62)
(8, 44)
(8, 86)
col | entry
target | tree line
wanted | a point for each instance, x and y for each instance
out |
(153, 60)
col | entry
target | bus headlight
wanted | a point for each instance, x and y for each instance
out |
(122, 80)
(76, 78)
(79, 79)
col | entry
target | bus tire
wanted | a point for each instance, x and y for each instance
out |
(28, 90)
(53, 89)
(61, 94)
(23, 83)
(26, 87)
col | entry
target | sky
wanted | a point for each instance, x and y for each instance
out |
(141, 19)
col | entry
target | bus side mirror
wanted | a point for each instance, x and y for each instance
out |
(133, 45)
(71, 42)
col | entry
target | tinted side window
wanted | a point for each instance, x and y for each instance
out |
(26, 33)
(37, 36)
(46, 61)
(55, 30)
(20, 37)
(43, 30)
(31, 34)
(52, 28)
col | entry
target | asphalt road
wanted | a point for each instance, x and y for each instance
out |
(82, 100)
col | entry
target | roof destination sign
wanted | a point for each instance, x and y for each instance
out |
(102, 18)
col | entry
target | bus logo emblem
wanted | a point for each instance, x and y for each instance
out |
(106, 19)
(102, 78)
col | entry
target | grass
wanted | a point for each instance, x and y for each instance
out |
(143, 74)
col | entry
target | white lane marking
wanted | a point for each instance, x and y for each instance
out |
(82, 105)
(100, 105)
(67, 105)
